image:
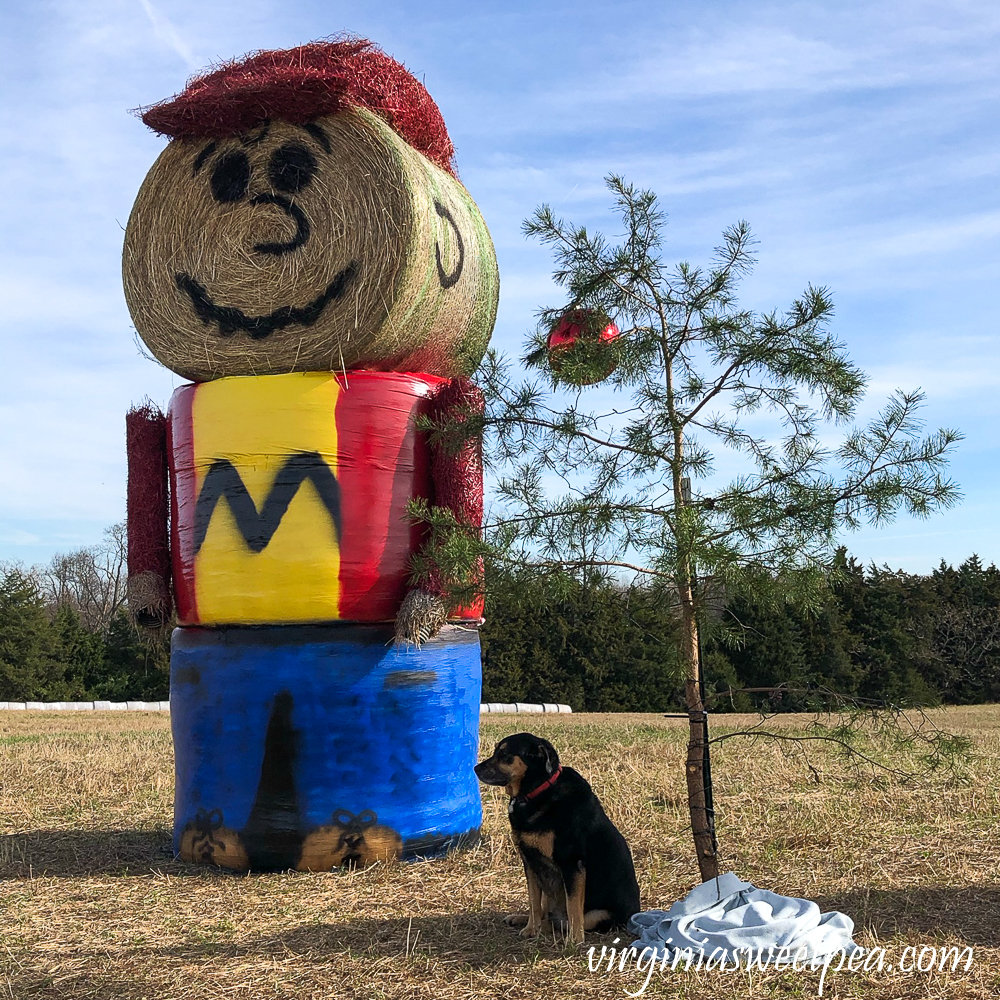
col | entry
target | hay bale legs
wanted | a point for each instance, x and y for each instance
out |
(312, 747)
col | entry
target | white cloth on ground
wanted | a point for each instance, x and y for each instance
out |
(745, 923)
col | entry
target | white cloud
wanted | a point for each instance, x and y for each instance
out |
(169, 35)
(779, 48)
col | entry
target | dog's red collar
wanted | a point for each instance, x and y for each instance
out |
(541, 788)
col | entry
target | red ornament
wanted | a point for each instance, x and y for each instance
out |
(574, 326)
(585, 329)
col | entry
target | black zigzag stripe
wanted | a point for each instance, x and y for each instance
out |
(258, 527)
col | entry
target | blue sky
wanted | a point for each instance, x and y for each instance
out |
(860, 140)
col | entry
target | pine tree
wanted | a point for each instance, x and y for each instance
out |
(29, 668)
(690, 369)
(80, 652)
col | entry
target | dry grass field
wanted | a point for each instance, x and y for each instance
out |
(92, 905)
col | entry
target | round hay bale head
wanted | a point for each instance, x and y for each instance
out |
(319, 247)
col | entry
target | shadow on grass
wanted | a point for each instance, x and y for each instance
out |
(400, 946)
(480, 940)
(968, 913)
(473, 940)
(82, 987)
(75, 853)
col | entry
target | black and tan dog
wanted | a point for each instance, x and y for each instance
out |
(578, 866)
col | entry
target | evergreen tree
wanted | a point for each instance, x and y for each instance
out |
(29, 669)
(771, 654)
(688, 368)
(962, 630)
(49, 653)
(79, 651)
(135, 666)
(883, 611)
(595, 646)
(826, 642)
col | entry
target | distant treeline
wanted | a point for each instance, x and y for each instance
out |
(65, 634)
(875, 634)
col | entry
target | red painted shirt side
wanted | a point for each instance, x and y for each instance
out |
(383, 462)
(183, 497)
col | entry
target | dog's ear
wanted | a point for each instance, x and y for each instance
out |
(548, 754)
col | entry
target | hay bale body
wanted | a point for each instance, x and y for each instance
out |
(312, 747)
(291, 495)
(308, 248)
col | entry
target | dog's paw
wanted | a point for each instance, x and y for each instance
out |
(516, 919)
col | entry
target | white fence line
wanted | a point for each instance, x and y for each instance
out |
(491, 708)
(519, 707)
(85, 706)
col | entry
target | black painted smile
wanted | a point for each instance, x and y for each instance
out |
(231, 319)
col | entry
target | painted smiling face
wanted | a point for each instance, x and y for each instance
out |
(320, 246)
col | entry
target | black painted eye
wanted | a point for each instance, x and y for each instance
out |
(231, 177)
(291, 167)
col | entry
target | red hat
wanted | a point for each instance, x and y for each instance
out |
(300, 85)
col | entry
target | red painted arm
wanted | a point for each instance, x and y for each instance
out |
(458, 476)
(147, 505)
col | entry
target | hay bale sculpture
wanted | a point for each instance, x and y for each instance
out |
(303, 253)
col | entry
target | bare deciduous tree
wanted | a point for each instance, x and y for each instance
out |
(90, 580)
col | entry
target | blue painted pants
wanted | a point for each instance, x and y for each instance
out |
(317, 746)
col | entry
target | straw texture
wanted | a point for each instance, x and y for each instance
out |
(148, 585)
(377, 259)
(420, 618)
(300, 85)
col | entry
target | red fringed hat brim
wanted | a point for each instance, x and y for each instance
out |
(300, 85)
